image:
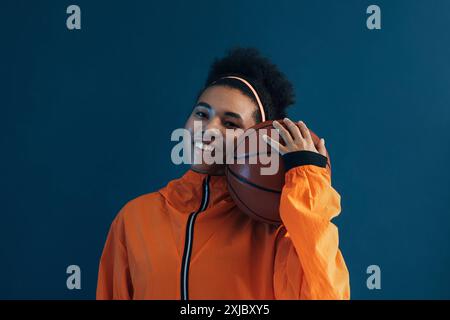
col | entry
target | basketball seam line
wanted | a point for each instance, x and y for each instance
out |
(242, 179)
(256, 214)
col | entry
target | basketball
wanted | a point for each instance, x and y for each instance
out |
(256, 194)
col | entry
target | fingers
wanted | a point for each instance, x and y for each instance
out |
(296, 138)
(304, 130)
(321, 147)
(284, 133)
(293, 128)
(275, 144)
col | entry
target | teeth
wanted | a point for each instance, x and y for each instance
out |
(203, 146)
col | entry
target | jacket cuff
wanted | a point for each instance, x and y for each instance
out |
(303, 157)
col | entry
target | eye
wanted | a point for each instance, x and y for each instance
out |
(201, 114)
(230, 124)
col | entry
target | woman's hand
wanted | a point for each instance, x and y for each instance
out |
(296, 139)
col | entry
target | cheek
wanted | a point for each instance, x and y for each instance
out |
(190, 124)
(230, 139)
(237, 133)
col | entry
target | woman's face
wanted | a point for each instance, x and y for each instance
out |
(218, 108)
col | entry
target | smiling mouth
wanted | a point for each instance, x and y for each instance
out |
(203, 146)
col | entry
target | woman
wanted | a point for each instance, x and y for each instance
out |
(190, 241)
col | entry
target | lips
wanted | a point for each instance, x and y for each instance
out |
(203, 146)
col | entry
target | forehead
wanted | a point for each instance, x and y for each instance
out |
(226, 99)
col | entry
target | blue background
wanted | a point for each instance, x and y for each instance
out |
(86, 118)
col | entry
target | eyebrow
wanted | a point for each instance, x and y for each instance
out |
(203, 104)
(234, 115)
(228, 113)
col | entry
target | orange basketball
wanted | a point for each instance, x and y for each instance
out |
(256, 194)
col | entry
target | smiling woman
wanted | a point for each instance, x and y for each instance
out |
(219, 108)
(241, 90)
(189, 240)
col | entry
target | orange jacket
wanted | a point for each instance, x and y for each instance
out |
(190, 241)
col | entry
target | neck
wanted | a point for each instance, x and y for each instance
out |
(215, 172)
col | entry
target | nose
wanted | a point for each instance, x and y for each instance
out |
(214, 128)
(215, 124)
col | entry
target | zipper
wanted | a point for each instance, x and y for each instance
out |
(189, 239)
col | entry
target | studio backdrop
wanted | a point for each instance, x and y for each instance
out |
(87, 108)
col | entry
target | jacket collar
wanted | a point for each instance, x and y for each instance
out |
(185, 193)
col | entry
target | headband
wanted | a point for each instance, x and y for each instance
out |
(260, 106)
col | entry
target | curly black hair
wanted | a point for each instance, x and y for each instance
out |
(274, 89)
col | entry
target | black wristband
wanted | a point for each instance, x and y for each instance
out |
(303, 157)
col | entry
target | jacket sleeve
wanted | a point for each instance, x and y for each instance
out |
(114, 280)
(308, 262)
